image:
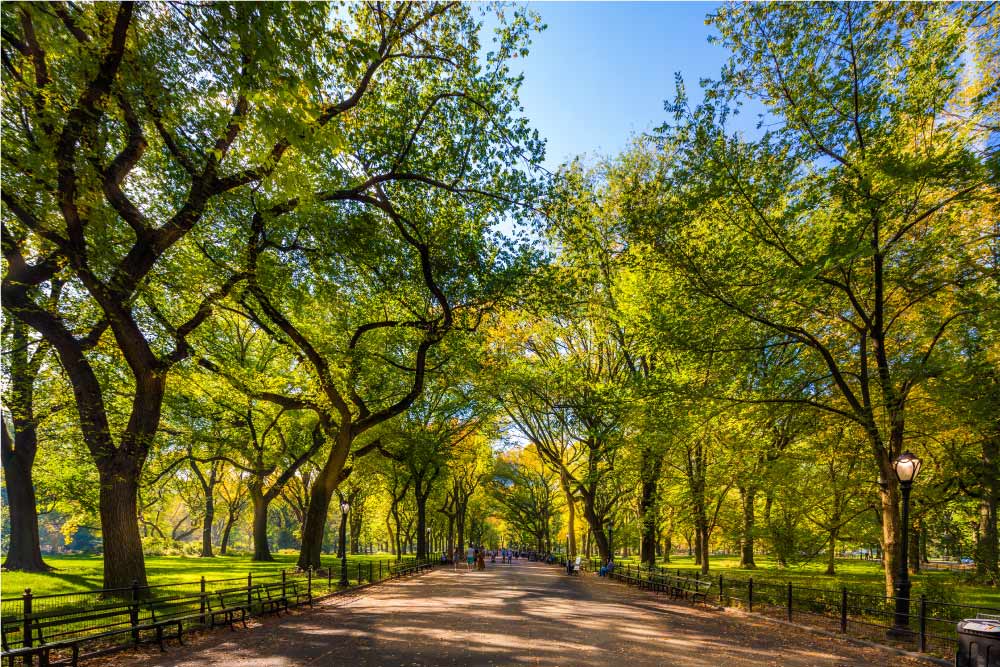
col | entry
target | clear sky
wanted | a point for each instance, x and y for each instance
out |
(601, 71)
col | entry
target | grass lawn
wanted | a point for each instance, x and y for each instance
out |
(858, 575)
(80, 573)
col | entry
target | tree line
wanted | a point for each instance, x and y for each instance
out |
(253, 268)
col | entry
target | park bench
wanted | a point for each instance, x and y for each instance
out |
(227, 603)
(297, 594)
(273, 597)
(58, 631)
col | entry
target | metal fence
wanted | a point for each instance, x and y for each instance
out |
(930, 628)
(115, 618)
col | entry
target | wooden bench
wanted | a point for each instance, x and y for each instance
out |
(272, 597)
(46, 638)
(227, 603)
(296, 594)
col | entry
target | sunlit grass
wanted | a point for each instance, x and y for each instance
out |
(80, 573)
(857, 575)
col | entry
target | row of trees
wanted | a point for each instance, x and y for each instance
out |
(244, 235)
(751, 326)
(251, 268)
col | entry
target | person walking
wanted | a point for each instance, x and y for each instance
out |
(470, 557)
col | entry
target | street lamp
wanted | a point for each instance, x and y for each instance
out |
(427, 544)
(906, 467)
(345, 507)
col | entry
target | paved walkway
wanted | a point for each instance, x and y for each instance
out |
(523, 614)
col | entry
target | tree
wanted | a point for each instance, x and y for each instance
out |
(18, 451)
(844, 229)
(194, 95)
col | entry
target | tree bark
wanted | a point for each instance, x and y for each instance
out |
(24, 552)
(831, 559)
(987, 548)
(122, 543)
(261, 549)
(649, 510)
(748, 496)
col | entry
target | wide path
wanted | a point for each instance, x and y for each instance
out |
(523, 614)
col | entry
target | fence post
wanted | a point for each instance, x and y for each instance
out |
(720, 590)
(789, 601)
(249, 591)
(923, 623)
(750, 595)
(134, 611)
(843, 609)
(26, 610)
(201, 611)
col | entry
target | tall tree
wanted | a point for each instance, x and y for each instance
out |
(844, 229)
(123, 162)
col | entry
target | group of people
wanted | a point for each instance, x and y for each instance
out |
(475, 556)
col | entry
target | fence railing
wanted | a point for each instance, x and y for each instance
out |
(115, 618)
(930, 627)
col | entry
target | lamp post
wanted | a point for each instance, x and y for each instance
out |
(906, 466)
(345, 507)
(427, 544)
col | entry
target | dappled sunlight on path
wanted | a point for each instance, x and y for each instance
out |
(523, 614)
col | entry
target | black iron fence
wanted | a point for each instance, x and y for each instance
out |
(930, 625)
(88, 623)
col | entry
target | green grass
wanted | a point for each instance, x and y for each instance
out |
(81, 573)
(857, 575)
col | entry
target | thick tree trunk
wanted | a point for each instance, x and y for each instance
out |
(913, 555)
(667, 547)
(596, 527)
(648, 515)
(319, 500)
(748, 495)
(24, 552)
(122, 544)
(891, 526)
(261, 549)
(831, 557)
(987, 548)
(206, 530)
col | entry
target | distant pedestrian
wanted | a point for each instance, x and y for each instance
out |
(470, 557)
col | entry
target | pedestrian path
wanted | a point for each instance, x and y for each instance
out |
(520, 614)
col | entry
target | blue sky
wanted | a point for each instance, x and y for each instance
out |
(601, 71)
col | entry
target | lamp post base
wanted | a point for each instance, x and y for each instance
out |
(900, 632)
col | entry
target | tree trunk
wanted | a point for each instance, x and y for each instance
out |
(571, 510)
(421, 522)
(24, 552)
(122, 544)
(226, 531)
(261, 549)
(206, 530)
(315, 526)
(596, 527)
(319, 500)
(831, 559)
(650, 521)
(667, 548)
(748, 496)
(987, 548)
(891, 526)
